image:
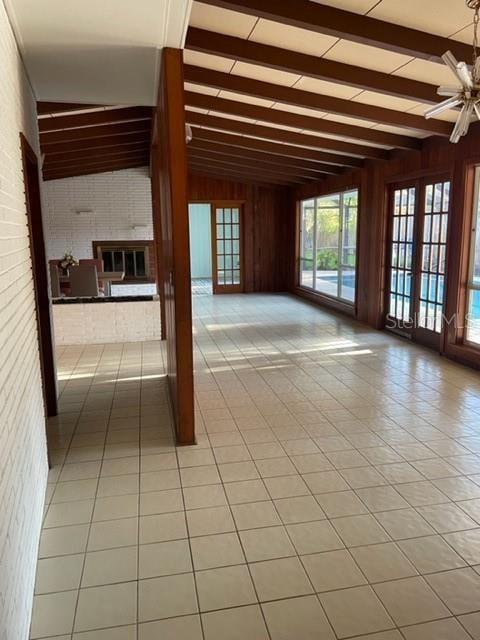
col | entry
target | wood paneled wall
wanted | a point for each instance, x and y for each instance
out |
(438, 157)
(266, 223)
(171, 223)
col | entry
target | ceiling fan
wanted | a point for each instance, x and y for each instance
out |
(468, 93)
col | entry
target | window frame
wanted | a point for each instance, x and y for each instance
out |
(146, 246)
(474, 231)
(341, 266)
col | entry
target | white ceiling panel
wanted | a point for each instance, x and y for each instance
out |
(220, 20)
(264, 73)
(290, 108)
(433, 16)
(326, 88)
(448, 116)
(196, 88)
(361, 55)
(272, 125)
(384, 100)
(344, 138)
(230, 116)
(104, 52)
(208, 61)
(357, 6)
(230, 95)
(464, 35)
(425, 71)
(196, 109)
(401, 131)
(286, 37)
(368, 124)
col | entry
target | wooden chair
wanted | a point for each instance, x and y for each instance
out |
(100, 267)
(84, 281)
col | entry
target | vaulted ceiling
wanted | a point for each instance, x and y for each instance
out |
(284, 92)
(294, 91)
(78, 139)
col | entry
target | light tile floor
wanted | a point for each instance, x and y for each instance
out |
(201, 287)
(334, 491)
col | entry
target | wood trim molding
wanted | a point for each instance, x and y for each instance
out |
(173, 180)
(41, 282)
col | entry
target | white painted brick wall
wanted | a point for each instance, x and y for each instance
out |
(23, 461)
(119, 200)
(106, 322)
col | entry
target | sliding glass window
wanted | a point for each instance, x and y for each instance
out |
(473, 309)
(328, 244)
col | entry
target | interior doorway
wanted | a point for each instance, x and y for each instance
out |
(227, 248)
(40, 278)
(199, 217)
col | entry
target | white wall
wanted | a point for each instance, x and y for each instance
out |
(119, 200)
(23, 459)
(200, 240)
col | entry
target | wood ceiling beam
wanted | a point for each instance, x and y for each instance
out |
(283, 135)
(265, 173)
(239, 175)
(262, 156)
(101, 162)
(232, 141)
(308, 65)
(310, 100)
(287, 119)
(84, 154)
(46, 108)
(108, 116)
(104, 142)
(253, 165)
(86, 170)
(227, 176)
(100, 131)
(350, 26)
(110, 154)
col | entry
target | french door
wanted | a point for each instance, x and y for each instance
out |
(417, 254)
(227, 248)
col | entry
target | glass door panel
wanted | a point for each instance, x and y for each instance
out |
(399, 304)
(227, 249)
(434, 247)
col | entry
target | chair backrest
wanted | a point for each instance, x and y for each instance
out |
(54, 280)
(83, 281)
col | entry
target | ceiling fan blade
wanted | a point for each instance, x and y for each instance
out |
(463, 122)
(450, 60)
(459, 69)
(449, 103)
(447, 91)
(463, 73)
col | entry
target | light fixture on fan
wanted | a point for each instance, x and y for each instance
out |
(468, 94)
